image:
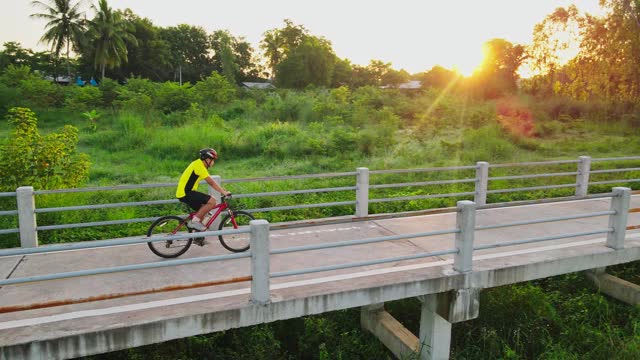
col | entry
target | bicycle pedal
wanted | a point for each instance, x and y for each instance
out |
(200, 241)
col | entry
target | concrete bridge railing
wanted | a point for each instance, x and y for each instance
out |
(439, 310)
(362, 190)
(260, 247)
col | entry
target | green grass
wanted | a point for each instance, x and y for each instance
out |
(291, 133)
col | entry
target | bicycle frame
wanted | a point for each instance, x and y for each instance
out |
(222, 206)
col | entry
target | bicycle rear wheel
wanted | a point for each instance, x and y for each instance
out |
(170, 248)
(236, 242)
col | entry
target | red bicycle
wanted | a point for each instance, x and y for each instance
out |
(176, 225)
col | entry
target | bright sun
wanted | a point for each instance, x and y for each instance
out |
(466, 61)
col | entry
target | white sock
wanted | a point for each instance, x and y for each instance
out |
(196, 219)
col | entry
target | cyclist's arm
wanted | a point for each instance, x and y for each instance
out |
(216, 187)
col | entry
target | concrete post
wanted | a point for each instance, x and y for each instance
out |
(27, 217)
(216, 195)
(482, 182)
(618, 221)
(362, 192)
(260, 261)
(582, 180)
(466, 223)
(435, 331)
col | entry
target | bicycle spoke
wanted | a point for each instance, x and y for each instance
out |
(171, 247)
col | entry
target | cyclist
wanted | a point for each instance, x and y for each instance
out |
(186, 191)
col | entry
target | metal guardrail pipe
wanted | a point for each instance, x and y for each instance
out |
(104, 188)
(291, 177)
(618, 158)
(7, 194)
(443, 182)
(534, 163)
(117, 242)
(8, 212)
(294, 192)
(613, 181)
(9, 231)
(116, 269)
(361, 263)
(539, 239)
(540, 221)
(404, 171)
(361, 241)
(304, 206)
(530, 188)
(613, 170)
(514, 177)
(106, 206)
(418, 197)
(544, 201)
(95, 223)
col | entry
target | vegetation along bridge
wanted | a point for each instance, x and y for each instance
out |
(74, 299)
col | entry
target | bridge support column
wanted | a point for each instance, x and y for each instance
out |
(438, 313)
(615, 287)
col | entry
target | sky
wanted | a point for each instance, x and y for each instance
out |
(413, 35)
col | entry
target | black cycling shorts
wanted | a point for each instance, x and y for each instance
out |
(195, 199)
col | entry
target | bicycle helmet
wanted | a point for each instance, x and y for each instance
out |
(208, 153)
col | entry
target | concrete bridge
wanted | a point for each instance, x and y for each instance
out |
(80, 316)
(71, 300)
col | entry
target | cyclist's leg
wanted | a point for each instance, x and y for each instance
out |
(201, 203)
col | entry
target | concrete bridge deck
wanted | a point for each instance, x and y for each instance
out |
(85, 328)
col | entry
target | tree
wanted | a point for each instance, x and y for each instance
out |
(233, 57)
(311, 63)
(108, 33)
(65, 26)
(149, 56)
(188, 48)
(277, 44)
(438, 77)
(552, 38)
(497, 75)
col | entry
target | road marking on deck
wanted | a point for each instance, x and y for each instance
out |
(194, 298)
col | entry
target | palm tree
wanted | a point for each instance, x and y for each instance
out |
(65, 26)
(109, 31)
(272, 44)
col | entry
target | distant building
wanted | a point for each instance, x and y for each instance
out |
(256, 85)
(413, 84)
(62, 80)
(409, 85)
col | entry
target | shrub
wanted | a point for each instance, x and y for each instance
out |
(14, 74)
(40, 93)
(83, 99)
(486, 144)
(44, 162)
(172, 97)
(109, 89)
(214, 89)
(8, 98)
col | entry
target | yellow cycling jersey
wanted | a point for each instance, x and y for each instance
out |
(192, 175)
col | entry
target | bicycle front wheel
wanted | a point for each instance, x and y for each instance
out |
(236, 242)
(169, 226)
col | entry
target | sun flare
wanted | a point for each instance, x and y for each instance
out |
(467, 62)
